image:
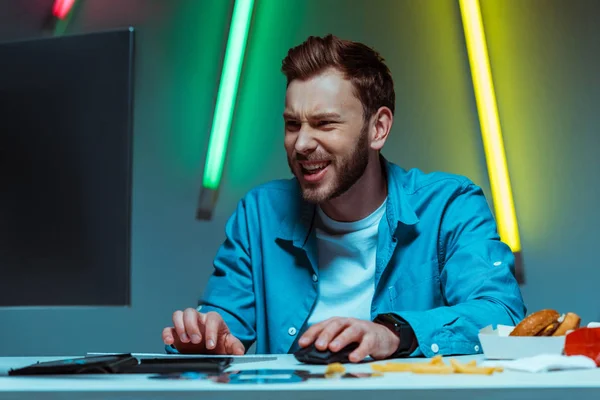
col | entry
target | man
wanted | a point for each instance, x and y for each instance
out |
(354, 249)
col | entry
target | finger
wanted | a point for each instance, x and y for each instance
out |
(212, 325)
(333, 328)
(190, 319)
(234, 346)
(311, 334)
(226, 341)
(180, 326)
(363, 350)
(168, 335)
(351, 334)
(238, 348)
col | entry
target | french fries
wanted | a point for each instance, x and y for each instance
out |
(437, 360)
(436, 366)
(431, 369)
(473, 369)
(335, 368)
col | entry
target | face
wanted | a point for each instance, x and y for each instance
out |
(326, 138)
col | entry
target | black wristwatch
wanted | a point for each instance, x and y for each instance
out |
(408, 341)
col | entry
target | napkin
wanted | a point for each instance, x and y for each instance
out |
(545, 363)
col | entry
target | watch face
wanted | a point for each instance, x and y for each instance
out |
(388, 319)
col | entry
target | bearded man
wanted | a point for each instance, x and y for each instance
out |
(353, 249)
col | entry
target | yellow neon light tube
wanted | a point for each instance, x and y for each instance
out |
(490, 124)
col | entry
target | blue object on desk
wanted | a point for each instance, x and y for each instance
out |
(267, 376)
(186, 376)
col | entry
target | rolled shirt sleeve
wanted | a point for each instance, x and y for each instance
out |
(477, 278)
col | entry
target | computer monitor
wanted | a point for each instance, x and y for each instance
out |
(66, 170)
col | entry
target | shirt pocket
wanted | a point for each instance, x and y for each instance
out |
(416, 291)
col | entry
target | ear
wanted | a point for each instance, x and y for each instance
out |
(381, 124)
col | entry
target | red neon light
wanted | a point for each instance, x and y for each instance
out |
(56, 7)
(61, 8)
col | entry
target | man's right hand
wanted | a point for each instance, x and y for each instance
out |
(195, 332)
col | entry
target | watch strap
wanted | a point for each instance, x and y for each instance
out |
(403, 330)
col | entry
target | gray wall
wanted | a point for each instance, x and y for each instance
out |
(544, 61)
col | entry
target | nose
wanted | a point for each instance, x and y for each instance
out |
(305, 141)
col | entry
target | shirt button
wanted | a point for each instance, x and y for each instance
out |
(315, 278)
(292, 331)
(435, 348)
(476, 348)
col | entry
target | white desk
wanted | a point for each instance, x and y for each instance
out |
(404, 386)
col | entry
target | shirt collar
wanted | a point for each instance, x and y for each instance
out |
(297, 224)
(399, 209)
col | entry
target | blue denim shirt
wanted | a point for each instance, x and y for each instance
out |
(440, 265)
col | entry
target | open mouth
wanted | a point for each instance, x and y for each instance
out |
(314, 172)
(313, 169)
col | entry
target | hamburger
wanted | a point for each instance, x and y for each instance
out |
(547, 322)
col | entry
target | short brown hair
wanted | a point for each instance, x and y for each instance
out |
(362, 65)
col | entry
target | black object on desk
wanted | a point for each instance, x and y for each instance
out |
(112, 364)
(312, 355)
(172, 364)
(125, 364)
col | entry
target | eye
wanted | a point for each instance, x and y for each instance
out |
(291, 124)
(325, 123)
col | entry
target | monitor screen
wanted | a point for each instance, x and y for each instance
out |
(65, 170)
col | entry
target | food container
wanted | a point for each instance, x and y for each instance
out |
(497, 345)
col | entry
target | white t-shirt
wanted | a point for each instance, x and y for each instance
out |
(346, 256)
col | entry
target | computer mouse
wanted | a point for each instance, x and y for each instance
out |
(312, 355)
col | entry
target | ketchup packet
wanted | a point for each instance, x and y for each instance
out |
(584, 342)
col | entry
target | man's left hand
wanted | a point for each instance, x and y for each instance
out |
(336, 333)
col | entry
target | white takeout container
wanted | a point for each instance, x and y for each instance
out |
(497, 345)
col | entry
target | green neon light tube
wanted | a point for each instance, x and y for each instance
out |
(228, 86)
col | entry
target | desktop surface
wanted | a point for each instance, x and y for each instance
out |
(507, 384)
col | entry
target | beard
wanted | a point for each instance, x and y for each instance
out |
(350, 168)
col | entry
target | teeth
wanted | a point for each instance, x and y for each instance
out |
(313, 167)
